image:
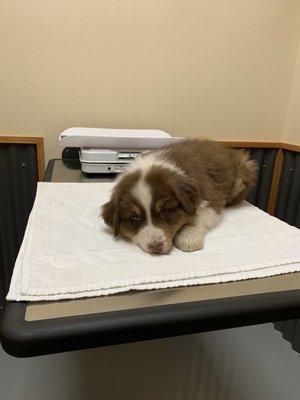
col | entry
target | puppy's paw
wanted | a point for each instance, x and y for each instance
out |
(189, 239)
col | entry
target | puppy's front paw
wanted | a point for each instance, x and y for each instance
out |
(189, 239)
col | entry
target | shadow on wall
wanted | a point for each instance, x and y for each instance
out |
(166, 369)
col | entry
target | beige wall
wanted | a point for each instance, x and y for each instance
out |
(292, 127)
(221, 69)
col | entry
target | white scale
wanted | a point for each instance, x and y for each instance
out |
(110, 151)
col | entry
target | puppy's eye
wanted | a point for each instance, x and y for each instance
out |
(165, 211)
(135, 219)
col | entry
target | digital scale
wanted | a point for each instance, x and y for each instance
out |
(110, 151)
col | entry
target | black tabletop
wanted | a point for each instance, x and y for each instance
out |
(32, 329)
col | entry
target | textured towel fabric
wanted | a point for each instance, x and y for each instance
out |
(67, 251)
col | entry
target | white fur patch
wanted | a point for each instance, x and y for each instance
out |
(206, 218)
(191, 237)
(149, 234)
(142, 193)
(203, 204)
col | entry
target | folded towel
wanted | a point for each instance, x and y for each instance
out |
(67, 251)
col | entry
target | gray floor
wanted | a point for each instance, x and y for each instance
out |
(252, 363)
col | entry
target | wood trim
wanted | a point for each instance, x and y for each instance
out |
(38, 141)
(275, 182)
(20, 139)
(40, 153)
(265, 145)
(291, 147)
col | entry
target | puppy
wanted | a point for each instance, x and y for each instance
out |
(176, 194)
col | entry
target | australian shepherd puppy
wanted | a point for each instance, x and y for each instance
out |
(177, 193)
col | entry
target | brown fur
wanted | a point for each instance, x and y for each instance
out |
(215, 169)
(121, 203)
(213, 175)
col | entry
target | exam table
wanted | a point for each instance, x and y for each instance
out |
(33, 329)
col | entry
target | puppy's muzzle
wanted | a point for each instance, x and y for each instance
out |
(155, 247)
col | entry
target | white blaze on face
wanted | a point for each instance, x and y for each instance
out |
(149, 235)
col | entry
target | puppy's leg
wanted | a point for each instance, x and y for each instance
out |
(191, 237)
(245, 179)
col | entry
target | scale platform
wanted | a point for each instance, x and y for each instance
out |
(110, 151)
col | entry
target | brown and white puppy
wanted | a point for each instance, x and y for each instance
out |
(176, 194)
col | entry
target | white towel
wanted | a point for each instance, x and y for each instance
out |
(67, 251)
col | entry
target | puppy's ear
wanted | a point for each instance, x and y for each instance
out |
(187, 193)
(111, 215)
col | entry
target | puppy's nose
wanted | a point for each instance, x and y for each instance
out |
(155, 247)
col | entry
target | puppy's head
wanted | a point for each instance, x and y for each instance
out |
(150, 208)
